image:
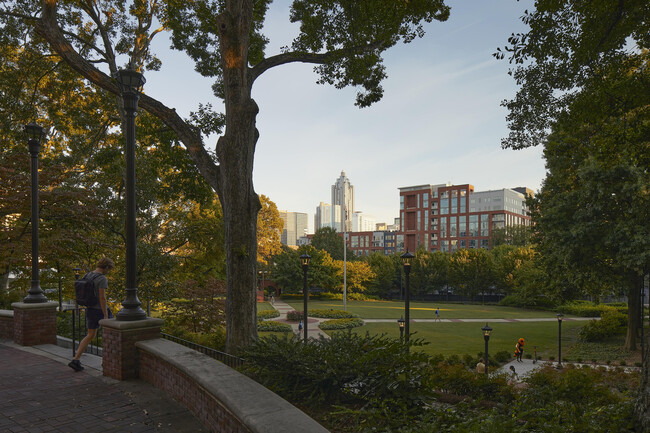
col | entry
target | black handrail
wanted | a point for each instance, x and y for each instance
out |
(80, 330)
(230, 360)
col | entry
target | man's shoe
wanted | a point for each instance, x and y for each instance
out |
(75, 365)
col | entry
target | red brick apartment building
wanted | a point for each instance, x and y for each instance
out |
(448, 217)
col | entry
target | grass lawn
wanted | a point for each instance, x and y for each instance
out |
(264, 306)
(467, 338)
(423, 310)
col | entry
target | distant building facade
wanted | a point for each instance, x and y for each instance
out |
(295, 226)
(368, 242)
(448, 217)
(343, 196)
(362, 222)
(328, 215)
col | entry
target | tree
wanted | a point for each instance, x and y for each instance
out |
(269, 228)
(430, 270)
(359, 276)
(386, 274)
(345, 40)
(328, 239)
(471, 271)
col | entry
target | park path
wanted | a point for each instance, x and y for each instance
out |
(313, 330)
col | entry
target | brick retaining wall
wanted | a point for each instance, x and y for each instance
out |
(34, 323)
(222, 398)
(6, 324)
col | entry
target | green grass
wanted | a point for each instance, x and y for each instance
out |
(424, 310)
(264, 306)
(467, 338)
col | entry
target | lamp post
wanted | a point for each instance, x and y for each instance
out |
(130, 83)
(559, 339)
(407, 258)
(486, 336)
(304, 259)
(34, 133)
(400, 323)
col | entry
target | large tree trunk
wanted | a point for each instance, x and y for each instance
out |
(635, 284)
(642, 408)
(240, 203)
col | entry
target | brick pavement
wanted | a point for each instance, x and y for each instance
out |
(41, 394)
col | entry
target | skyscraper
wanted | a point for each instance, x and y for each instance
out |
(343, 196)
(295, 226)
(327, 215)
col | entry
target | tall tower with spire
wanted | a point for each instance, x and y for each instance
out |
(343, 195)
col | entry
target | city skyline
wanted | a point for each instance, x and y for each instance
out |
(440, 119)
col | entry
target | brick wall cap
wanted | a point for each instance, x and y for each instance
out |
(254, 405)
(49, 305)
(123, 325)
(6, 313)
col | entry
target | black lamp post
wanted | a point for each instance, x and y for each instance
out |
(304, 259)
(400, 322)
(486, 336)
(34, 133)
(407, 258)
(559, 339)
(130, 83)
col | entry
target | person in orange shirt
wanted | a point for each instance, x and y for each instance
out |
(519, 349)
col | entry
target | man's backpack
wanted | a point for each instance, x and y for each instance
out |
(85, 291)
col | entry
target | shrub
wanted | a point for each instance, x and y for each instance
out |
(215, 340)
(502, 356)
(612, 323)
(267, 314)
(295, 315)
(331, 314)
(588, 309)
(273, 326)
(341, 324)
(349, 296)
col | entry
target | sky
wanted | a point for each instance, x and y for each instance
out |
(440, 119)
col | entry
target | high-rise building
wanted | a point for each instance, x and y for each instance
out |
(448, 217)
(327, 215)
(295, 226)
(343, 196)
(362, 222)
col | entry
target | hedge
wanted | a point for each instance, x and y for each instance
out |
(341, 324)
(331, 314)
(267, 314)
(273, 326)
(587, 309)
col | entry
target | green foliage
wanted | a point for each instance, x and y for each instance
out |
(216, 339)
(611, 323)
(349, 296)
(201, 311)
(273, 326)
(295, 315)
(340, 324)
(588, 309)
(267, 314)
(331, 314)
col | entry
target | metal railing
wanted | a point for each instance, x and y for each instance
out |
(230, 360)
(80, 329)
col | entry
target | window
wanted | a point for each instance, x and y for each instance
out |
(401, 202)
(444, 246)
(443, 227)
(444, 194)
(355, 241)
(462, 243)
(472, 243)
(484, 243)
(462, 226)
(444, 206)
(426, 220)
(454, 246)
(425, 200)
(484, 225)
(454, 204)
(453, 226)
(473, 225)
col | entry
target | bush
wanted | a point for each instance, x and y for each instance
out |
(273, 326)
(215, 340)
(295, 315)
(341, 324)
(349, 296)
(331, 314)
(502, 356)
(612, 323)
(267, 314)
(588, 309)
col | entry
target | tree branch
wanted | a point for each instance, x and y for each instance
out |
(48, 29)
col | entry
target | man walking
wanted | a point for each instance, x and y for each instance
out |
(437, 314)
(94, 313)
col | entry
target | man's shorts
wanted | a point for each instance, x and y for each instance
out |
(94, 315)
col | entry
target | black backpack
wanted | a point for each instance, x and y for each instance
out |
(85, 291)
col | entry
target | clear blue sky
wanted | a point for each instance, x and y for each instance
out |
(440, 119)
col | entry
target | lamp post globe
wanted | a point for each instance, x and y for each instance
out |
(400, 323)
(407, 258)
(130, 83)
(35, 134)
(304, 260)
(487, 330)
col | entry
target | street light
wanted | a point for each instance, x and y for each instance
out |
(34, 133)
(407, 258)
(559, 339)
(400, 322)
(486, 336)
(130, 83)
(304, 259)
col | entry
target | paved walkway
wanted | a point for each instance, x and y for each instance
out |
(313, 331)
(538, 319)
(40, 393)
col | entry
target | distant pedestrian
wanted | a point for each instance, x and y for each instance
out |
(519, 349)
(437, 315)
(480, 367)
(514, 377)
(97, 312)
(272, 300)
(300, 326)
